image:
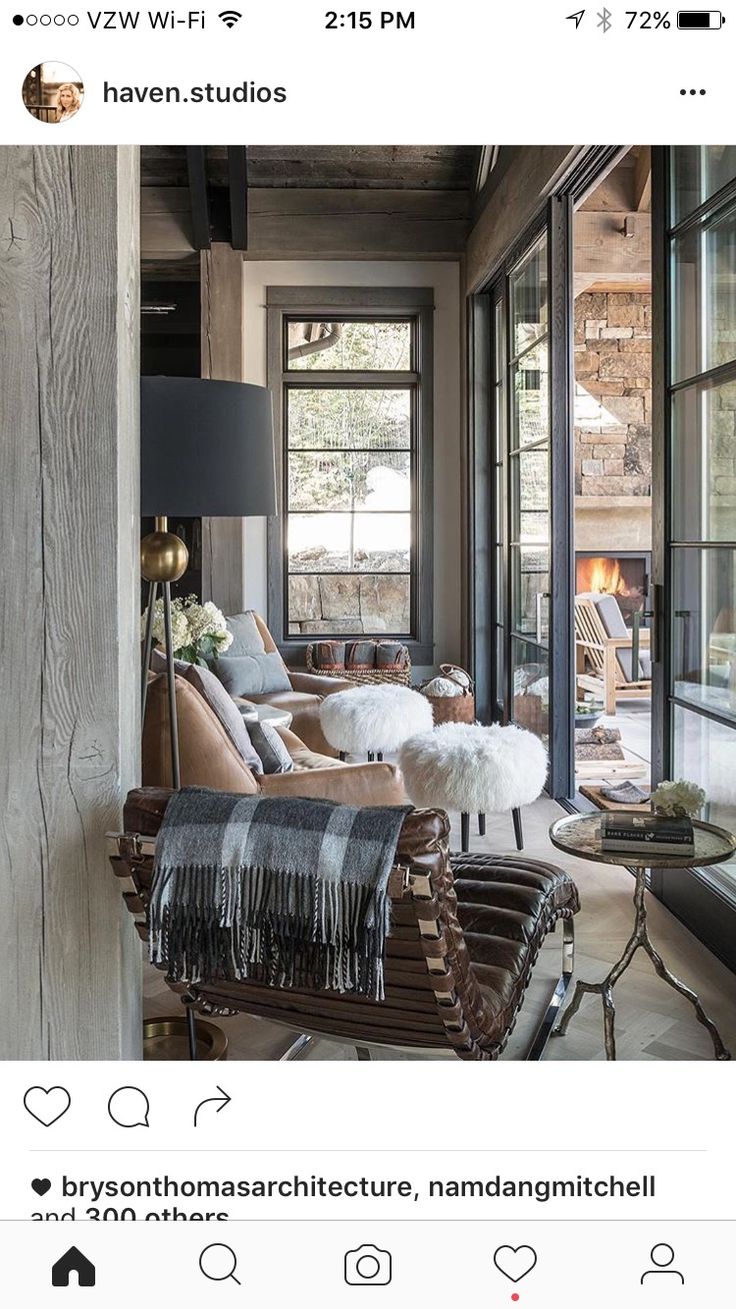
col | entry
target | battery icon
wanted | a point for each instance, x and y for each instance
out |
(700, 20)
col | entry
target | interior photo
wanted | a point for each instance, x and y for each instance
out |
(369, 643)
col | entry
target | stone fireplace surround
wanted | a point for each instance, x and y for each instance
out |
(613, 414)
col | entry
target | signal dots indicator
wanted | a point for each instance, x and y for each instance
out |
(692, 91)
(46, 20)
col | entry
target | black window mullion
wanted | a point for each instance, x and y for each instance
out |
(347, 380)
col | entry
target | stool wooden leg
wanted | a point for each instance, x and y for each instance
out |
(465, 832)
(481, 824)
(516, 815)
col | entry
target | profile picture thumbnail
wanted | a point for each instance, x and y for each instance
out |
(53, 92)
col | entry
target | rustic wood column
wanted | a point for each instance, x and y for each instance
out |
(69, 717)
(223, 360)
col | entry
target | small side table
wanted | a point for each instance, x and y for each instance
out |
(581, 835)
(265, 713)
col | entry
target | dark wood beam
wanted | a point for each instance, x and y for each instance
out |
(237, 167)
(322, 224)
(286, 223)
(643, 180)
(198, 197)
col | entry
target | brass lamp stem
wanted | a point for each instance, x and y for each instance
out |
(164, 559)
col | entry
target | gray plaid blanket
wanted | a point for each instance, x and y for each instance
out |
(287, 892)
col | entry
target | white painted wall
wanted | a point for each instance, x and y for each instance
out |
(445, 280)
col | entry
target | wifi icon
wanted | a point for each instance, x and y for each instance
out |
(230, 17)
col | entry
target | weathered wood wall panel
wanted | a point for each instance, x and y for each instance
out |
(223, 359)
(69, 730)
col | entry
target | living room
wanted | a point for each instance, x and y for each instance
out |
(391, 601)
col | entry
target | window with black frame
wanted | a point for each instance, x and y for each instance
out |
(701, 498)
(355, 433)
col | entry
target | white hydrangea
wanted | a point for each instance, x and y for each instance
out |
(179, 624)
(679, 799)
(198, 631)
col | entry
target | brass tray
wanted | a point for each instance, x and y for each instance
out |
(166, 1039)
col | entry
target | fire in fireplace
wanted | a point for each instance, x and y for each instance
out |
(624, 574)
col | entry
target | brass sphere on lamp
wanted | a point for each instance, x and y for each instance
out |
(164, 556)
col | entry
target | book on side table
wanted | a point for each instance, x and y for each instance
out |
(653, 832)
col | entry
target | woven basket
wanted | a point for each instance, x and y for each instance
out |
(363, 676)
(452, 708)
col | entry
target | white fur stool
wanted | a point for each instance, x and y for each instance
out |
(474, 769)
(373, 719)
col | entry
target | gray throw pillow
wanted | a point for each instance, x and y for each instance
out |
(275, 757)
(255, 674)
(215, 695)
(159, 664)
(247, 640)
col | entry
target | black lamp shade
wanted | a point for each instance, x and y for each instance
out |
(207, 449)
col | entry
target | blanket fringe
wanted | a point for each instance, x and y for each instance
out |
(234, 924)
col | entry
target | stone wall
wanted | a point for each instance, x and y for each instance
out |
(349, 605)
(613, 394)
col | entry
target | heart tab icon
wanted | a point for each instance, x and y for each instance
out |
(41, 1185)
(515, 1262)
(47, 1104)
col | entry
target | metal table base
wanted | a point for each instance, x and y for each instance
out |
(639, 940)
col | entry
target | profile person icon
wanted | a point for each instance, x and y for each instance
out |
(662, 1256)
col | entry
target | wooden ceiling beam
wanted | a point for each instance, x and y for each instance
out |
(322, 224)
(199, 198)
(643, 180)
(237, 169)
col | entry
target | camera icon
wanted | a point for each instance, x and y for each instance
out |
(367, 1266)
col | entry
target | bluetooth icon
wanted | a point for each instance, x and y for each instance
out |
(604, 20)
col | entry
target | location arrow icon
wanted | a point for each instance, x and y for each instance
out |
(578, 18)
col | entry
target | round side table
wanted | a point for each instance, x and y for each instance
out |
(581, 835)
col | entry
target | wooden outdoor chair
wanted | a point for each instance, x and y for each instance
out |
(612, 660)
(465, 936)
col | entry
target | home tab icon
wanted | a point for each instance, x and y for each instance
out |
(73, 1262)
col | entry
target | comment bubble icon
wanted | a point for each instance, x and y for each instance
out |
(129, 1107)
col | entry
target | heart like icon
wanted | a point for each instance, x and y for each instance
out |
(47, 1105)
(515, 1261)
(41, 1185)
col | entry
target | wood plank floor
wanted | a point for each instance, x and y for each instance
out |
(653, 1022)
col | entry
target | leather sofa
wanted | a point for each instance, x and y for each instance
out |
(303, 700)
(208, 757)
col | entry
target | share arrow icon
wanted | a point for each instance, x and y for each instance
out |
(220, 1100)
(578, 18)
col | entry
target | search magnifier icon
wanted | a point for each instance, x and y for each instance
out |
(218, 1263)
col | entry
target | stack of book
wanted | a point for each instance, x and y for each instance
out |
(655, 833)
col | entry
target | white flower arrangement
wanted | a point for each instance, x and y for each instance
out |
(199, 632)
(678, 799)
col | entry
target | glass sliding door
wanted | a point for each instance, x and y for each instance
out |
(531, 637)
(499, 654)
(697, 549)
(528, 484)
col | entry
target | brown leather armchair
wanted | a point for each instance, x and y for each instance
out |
(308, 690)
(208, 757)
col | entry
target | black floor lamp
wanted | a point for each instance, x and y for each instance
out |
(206, 451)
